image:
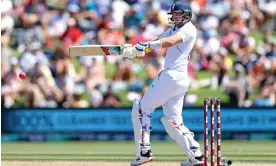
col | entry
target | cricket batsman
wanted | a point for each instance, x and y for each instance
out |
(168, 89)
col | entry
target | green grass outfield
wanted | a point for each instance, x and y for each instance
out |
(237, 151)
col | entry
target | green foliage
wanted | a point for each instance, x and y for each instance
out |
(207, 92)
(110, 70)
(77, 65)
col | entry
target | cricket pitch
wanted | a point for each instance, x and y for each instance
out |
(92, 163)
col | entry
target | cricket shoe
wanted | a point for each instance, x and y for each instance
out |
(143, 158)
(198, 161)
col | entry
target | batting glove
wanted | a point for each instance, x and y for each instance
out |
(142, 49)
(129, 52)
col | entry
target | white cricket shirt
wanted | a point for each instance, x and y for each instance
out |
(177, 57)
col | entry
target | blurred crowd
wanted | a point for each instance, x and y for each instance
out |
(236, 43)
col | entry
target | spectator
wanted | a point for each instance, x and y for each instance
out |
(207, 46)
(243, 47)
(7, 20)
(72, 36)
(95, 74)
(124, 71)
(152, 71)
(11, 87)
(31, 56)
(220, 67)
(96, 97)
(77, 101)
(111, 100)
(236, 88)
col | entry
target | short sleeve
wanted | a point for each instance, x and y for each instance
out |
(184, 36)
(187, 32)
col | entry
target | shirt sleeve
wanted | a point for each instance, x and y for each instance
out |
(184, 35)
(187, 33)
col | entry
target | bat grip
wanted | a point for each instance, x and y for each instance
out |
(148, 50)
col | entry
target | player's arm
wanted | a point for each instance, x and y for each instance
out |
(171, 40)
(140, 49)
(166, 42)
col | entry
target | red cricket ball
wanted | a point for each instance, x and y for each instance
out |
(22, 75)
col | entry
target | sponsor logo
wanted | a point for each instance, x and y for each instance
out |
(111, 50)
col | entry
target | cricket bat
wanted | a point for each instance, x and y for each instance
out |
(98, 50)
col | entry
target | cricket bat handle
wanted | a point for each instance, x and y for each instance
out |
(148, 50)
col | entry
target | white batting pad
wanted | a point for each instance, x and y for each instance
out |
(141, 127)
(179, 135)
(145, 145)
(137, 127)
(194, 145)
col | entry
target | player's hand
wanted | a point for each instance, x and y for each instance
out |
(139, 50)
(129, 52)
(142, 49)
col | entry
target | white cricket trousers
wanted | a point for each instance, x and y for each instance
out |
(168, 91)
